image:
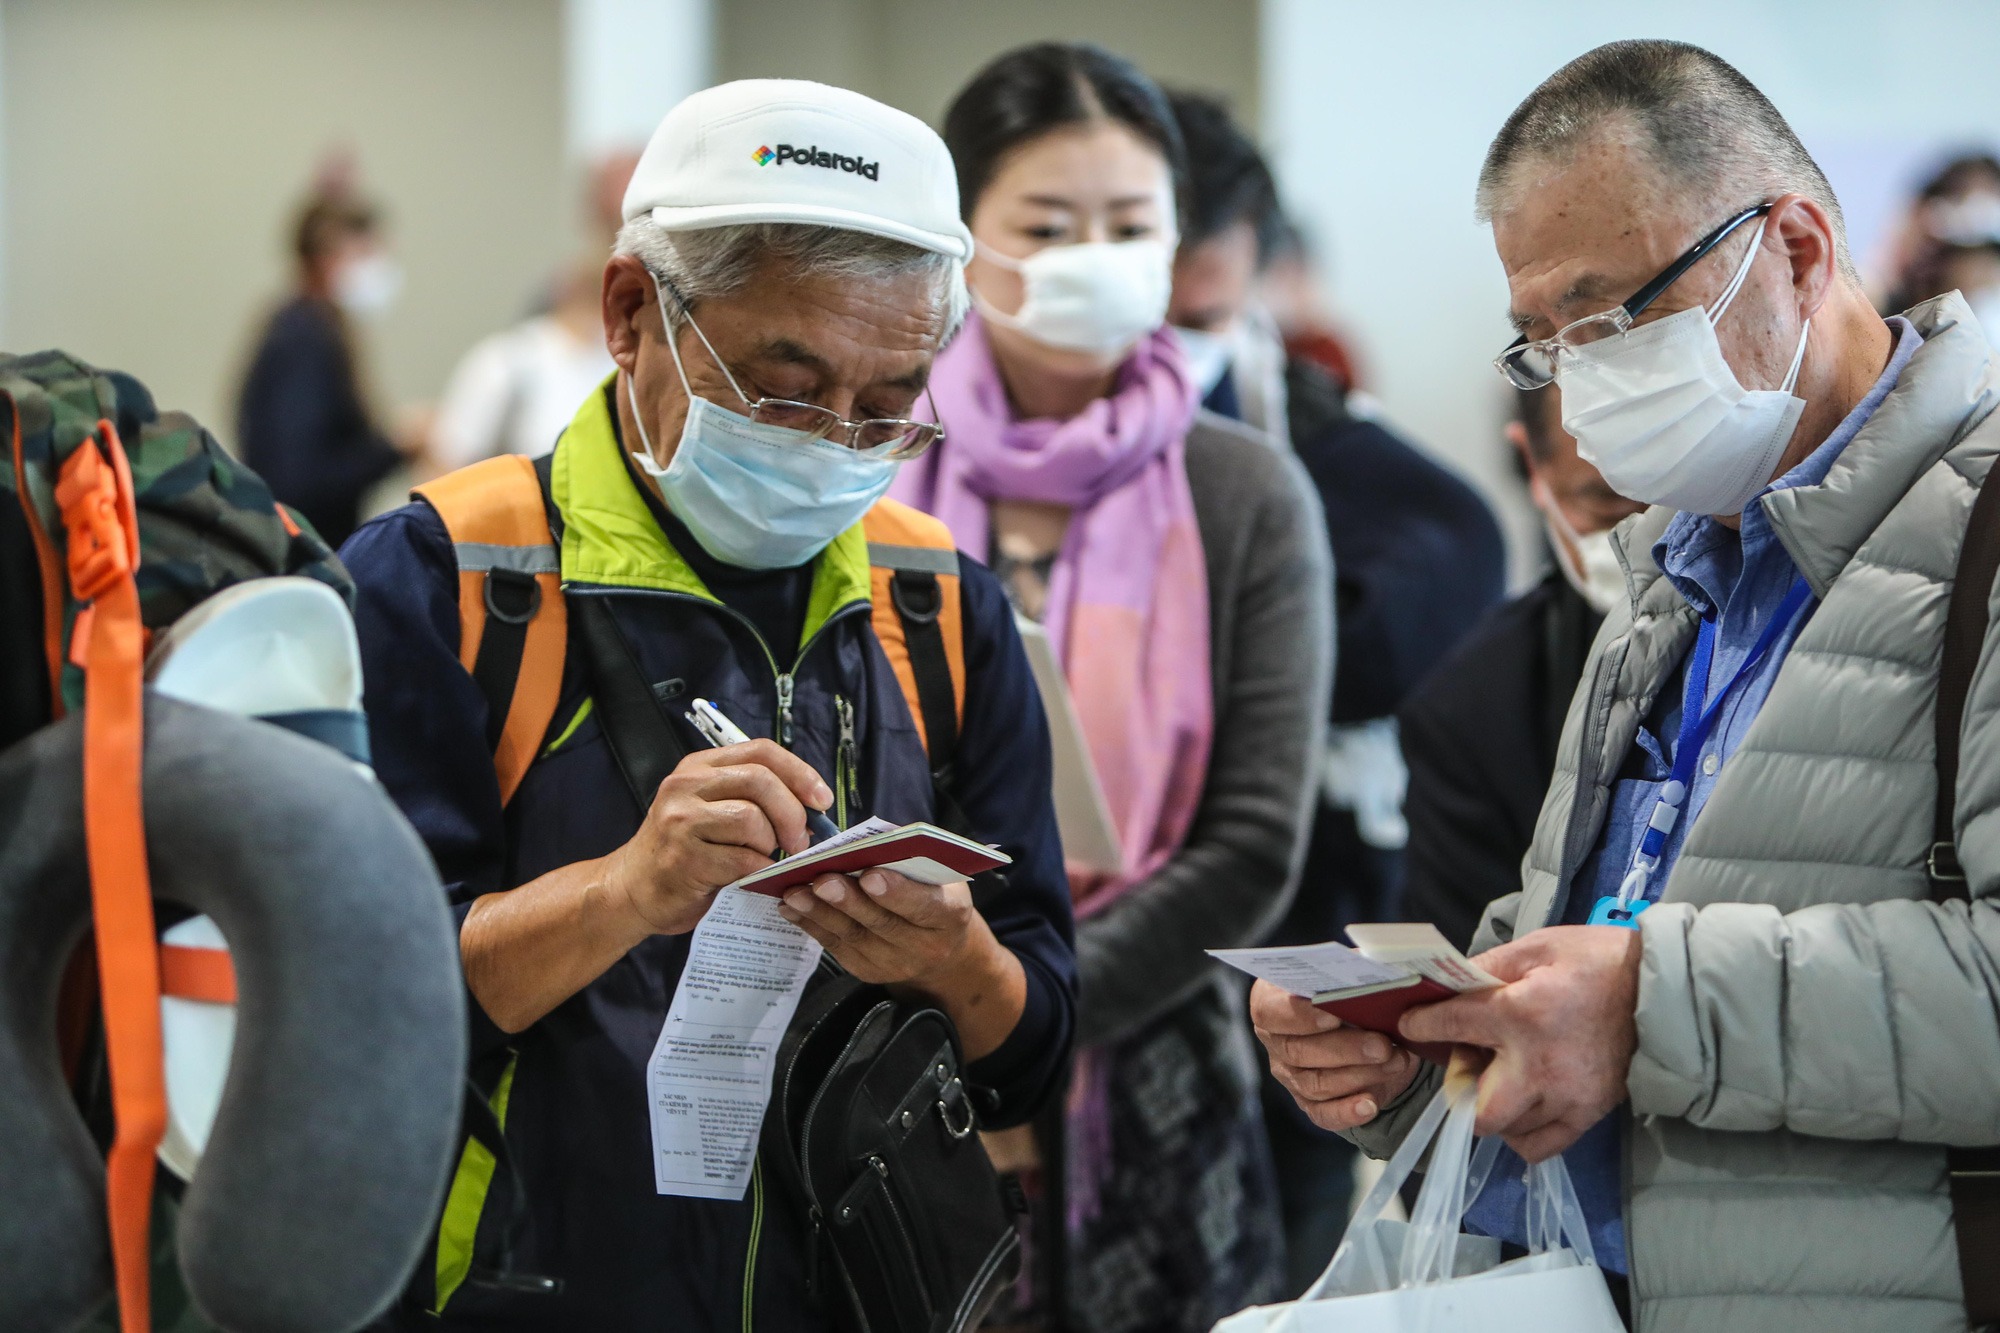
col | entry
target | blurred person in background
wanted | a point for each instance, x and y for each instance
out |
(1951, 241)
(1290, 290)
(1479, 733)
(1418, 559)
(515, 391)
(304, 421)
(1181, 573)
(1233, 346)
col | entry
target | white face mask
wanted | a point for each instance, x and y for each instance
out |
(1208, 356)
(755, 495)
(1590, 563)
(1097, 296)
(368, 286)
(1662, 416)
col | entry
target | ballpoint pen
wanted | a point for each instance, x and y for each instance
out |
(716, 728)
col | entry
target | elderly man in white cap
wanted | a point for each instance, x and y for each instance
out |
(710, 527)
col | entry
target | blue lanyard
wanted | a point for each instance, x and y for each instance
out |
(1698, 721)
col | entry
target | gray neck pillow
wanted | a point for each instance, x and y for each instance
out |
(328, 1161)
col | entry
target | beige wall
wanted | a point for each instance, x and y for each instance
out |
(155, 149)
(916, 54)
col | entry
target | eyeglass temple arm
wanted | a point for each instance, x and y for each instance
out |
(1646, 295)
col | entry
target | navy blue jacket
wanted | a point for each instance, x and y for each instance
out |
(576, 1122)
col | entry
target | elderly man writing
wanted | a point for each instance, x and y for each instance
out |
(789, 267)
(1754, 1036)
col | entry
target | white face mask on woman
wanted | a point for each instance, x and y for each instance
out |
(1664, 418)
(1095, 296)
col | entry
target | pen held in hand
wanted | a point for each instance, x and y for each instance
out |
(716, 728)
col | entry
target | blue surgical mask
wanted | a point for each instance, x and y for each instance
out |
(754, 495)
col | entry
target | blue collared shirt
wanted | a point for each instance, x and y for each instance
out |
(1738, 580)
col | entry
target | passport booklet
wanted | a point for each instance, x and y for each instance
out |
(1392, 968)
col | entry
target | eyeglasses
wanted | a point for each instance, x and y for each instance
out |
(889, 438)
(1532, 364)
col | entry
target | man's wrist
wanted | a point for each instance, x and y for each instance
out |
(609, 909)
(982, 987)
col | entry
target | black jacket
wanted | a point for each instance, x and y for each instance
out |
(1479, 737)
(302, 424)
(1418, 559)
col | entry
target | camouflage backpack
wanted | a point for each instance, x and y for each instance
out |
(115, 520)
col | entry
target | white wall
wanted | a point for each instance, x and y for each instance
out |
(156, 151)
(1377, 117)
(629, 61)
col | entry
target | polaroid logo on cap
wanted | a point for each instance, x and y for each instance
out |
(814, 157)
(762, 157)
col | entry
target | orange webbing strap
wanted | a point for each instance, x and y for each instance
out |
(197, 974)
(904, 539)
(497, 522)
(94, 492)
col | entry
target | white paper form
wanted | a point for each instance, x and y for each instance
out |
(710, 1076)
(1312, 969)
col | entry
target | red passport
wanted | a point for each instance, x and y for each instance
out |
(1380, 1010)
(923, 852)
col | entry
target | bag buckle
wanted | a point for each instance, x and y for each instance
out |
(954, 1093)
(1942, 864)
(95, 496)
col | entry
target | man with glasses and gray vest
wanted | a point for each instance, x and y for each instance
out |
(1753, 972)
(711, 526)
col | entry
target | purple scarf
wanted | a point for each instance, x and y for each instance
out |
(1127, 607)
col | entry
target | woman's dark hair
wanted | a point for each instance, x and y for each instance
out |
(1960, 175)
(324, 220)
(1031, 90)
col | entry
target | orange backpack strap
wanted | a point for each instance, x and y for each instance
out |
(913, 571)
(94, 493)
(513, 628)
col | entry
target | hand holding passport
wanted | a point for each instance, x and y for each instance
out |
(1393, 968)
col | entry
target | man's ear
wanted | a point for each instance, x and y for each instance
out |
(628, 294)
(1517, 435)
(1805, 231)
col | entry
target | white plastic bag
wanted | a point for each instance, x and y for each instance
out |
(1423, 1276)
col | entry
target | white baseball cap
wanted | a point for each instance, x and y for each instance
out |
(788, 150)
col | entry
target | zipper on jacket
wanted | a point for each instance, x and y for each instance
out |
(784, 679)
(785, 708)
(846, 763)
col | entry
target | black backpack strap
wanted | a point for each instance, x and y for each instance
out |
(918, 600)
(513, 596)
(1974, 1173)
(631, 715)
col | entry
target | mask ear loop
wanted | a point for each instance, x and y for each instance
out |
(660, 289)
(1798, 359)
(1742, 272)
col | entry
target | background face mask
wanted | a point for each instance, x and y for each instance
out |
(1589, 563)
(1664, 418)
(754, 495)
(368, 286)
(1098, 296)
(1208, 356)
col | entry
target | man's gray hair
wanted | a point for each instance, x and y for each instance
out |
(715, 261)
(1710, 132)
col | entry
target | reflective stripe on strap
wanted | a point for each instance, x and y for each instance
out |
(482, 556)
(917, 559)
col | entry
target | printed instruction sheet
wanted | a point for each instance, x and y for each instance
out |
(710, 1076)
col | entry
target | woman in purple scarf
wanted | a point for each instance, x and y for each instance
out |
(1179, 570)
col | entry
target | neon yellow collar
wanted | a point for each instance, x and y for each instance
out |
(610, 538)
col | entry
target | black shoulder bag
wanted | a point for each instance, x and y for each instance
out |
(871, 1132)
(1974, 1172)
